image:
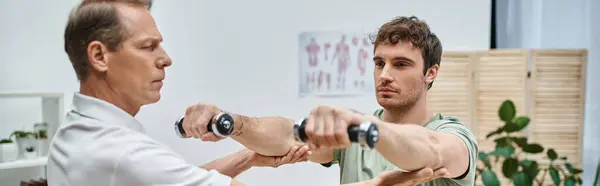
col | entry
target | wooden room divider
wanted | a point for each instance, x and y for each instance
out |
(548, 86)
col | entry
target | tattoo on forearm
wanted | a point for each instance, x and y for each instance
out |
(241, 127)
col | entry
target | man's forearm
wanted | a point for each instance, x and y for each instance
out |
(231, 165)
(409, 147)
(269, 136)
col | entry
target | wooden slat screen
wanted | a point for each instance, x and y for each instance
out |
(500, 75)
(473, 85)
(558, 90)
(451, 91)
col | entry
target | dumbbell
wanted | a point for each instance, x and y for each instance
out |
(366, 134)
(222, 125)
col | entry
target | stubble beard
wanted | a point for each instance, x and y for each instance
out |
(405, 101)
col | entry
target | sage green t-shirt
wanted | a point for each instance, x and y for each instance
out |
(358, 165)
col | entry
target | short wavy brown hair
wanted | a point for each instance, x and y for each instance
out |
(415, 31)
(94, 20)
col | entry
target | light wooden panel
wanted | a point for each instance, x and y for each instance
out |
(451, 93)
(500, 75)
(558, 97)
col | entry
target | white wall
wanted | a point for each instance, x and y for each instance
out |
(591, 152)
(560, 24)
(241, 55)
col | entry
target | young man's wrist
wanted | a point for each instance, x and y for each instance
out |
(238, 126)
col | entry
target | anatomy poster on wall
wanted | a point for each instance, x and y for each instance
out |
(335, 64)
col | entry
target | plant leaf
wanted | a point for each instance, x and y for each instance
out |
(526, 163)
(554, 175)
(489, 178)
(484, 157)
(551, 154)
(522, 179)
(573, 170)
(570, 181)
(503, 142)
(570, 168)
(533, 148)
(521, 122)
(509, 167)
(498, 131)
(504, 151)
(531, 167)
(520, 141)
(507, 111)
(510, 127)
(563, 158)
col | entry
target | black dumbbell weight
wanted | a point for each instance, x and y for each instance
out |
(366, 134)
(222, 125)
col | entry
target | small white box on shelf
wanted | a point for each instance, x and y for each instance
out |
(8, 150)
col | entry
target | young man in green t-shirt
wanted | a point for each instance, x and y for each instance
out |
(411, 137)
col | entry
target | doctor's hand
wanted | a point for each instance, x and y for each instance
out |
(197, 118)
(327, 126)
(295, 155)
(399, 178)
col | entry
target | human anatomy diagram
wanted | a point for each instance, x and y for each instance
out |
(362, 59)
(342, 53)
(335, 63)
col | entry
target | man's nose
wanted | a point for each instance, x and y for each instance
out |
(385, 75)
(164, 60)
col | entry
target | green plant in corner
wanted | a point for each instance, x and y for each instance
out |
(3, 141)
(512, 152)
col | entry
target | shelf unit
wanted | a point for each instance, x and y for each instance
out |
(52, 113)
(23, 163)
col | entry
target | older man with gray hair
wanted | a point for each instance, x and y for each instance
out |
(114, 47)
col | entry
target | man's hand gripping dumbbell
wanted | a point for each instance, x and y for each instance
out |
(366, 134)
(219, 124)
(332, 127)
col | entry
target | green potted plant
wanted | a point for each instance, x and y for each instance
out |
(43, 143)
(8, 150)
(30, 152)
(24, 139)
(42, 134)
(512, 154)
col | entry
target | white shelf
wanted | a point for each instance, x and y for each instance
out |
(51, 113)
(23, 163)
(30, 94)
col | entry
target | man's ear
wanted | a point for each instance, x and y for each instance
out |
(432, 73)
(97, 56)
